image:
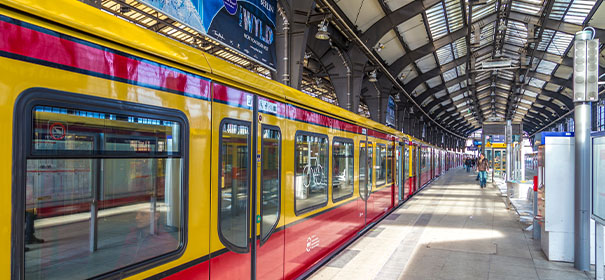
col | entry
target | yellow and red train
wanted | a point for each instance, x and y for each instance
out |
(135, 156)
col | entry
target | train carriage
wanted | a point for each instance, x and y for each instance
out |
(134, 156)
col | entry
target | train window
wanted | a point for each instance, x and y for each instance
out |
(63, 131)
(103, 191)
(389, 163)
(342, 168)
(234, 184)
(270, 179)
(311, 181)
(381, 164)
(363, 165)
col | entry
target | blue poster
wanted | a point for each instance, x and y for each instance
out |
(247, 26)
(390, 117)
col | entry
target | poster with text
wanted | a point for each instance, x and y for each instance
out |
(246, 26)
(390, 117)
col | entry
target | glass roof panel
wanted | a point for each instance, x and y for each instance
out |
(436, 18)
(546, 39)
(560, 43)
(459, 48)
(461, 69)
(440, 93)
(450, 74)
(444, 54)
(481, 11)
(546, 67)
(419, 89)
(453, 88)
(530, 93)
(413, 32)
(408, 73)
(454, 14)
(434, 81)
(578, 11)
(426, 63)
(536, 83)
(526, 8)
(516, 33)
(558, 9)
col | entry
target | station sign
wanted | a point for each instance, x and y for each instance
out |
(498, 138)
(247, 27)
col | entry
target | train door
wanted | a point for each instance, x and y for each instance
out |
(365, 177)
(406, 172)
(246, 178)
(416, 168)
(232, 174)
(269, 227)
(399, 169)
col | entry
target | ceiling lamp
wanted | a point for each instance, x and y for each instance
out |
(379, 47)
(372, 77)
(322, 31)
(496, 64)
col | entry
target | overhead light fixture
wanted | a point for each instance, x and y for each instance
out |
(379, 47)
(499, 63)
(372, 77)
(124, 9)
(322, 31)
(318, 81)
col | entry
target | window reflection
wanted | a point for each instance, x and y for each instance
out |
(234, 185)
(342, 169)
(389, 163)
(363, 166)
(270, 180)
(381, 164)
(311, 170)
(91, 214)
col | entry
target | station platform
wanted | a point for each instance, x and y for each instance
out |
(451, 230)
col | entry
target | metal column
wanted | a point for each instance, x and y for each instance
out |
(582, 186)
(509, 143)
(585, 62)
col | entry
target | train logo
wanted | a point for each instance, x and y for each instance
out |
(312, 242)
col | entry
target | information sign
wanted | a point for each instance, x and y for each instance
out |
(245, 26)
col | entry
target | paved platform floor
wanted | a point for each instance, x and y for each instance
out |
(451, 230)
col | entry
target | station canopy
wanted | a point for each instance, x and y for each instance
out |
(513, 60)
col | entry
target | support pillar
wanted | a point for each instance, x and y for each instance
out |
(509, 143)
(582, 180)
(292, 40)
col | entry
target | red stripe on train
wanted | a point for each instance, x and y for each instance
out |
(63, 50)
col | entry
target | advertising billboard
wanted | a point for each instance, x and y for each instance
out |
(390, 117)
(247, 27)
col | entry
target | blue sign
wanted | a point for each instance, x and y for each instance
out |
(247, 26)
(498, 139)
(390, 117)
